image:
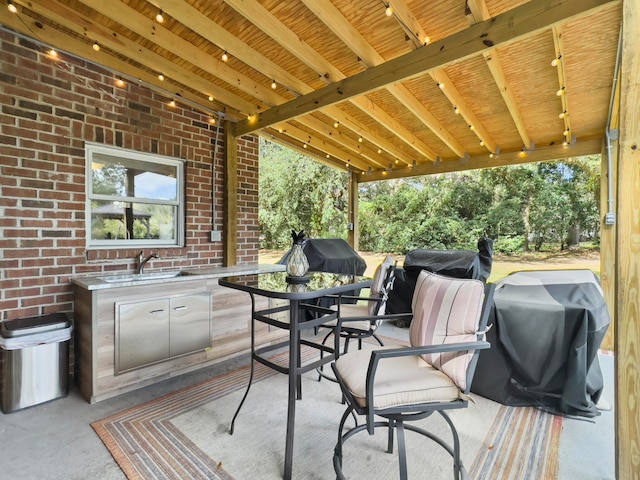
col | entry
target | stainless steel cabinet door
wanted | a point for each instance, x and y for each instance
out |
(190, 326)
(142, 333)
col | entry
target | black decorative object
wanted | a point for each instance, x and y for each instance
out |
(297, 263)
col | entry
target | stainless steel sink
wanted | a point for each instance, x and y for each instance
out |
(138, 277)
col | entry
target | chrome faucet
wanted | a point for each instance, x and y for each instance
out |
(143, 261)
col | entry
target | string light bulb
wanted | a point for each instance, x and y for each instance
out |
(563, 114)
(561, 92)
(379, 151)
(225, 56)
(212, 121)
(172, 103)
(161, 77)
(304, 146)
(482, 143)
(96, 46)
(120, 83)
(274, 85)
(11, 7)
(388, 11)
(441, 86)
(159, 17)
(360, 139)
(556, 61)
(211, 98)
(456, 110)
(53, 53)
(336, 124)
(328, 156)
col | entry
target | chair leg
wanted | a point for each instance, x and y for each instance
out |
(392, 424)
(378, 340)
(457, 463)
(402, 454)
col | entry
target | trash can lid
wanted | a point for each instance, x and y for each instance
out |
(31, 325)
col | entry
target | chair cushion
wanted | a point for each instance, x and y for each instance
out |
(399, 381)
(352, 310)
(446, 310)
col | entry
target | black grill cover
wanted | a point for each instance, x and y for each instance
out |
(331, 255)
(452, 263)
(547, 328)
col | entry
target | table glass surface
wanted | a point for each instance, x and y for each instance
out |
(275, 284)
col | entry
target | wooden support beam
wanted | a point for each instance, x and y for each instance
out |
(627, 264)
(352, 216)
(556, 152)
(521, 22)
(230, 200)
(608, 239)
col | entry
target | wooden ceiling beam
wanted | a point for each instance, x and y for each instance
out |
(217, 35)
(583, 147)
(518, 23)
(441, 77)
(563, 89)
(412, 28)
(268, 23)
(83, 49)
(477, 11)
(351, 146)
(150, 30)
(347, 157)
(86, 28)
(343, 29)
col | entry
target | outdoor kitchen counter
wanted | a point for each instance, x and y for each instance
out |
(135, 330)
(116, 280)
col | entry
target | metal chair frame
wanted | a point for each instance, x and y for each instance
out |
(397, 415)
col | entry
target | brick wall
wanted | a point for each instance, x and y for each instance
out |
(49, 109)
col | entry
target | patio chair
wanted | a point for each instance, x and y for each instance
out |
(433, 374)
(358, 321)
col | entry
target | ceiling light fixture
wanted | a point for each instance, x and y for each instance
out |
(159, 17)
(11, 7)
(225, 56)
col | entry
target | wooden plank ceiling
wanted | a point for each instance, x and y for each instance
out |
(385, 88)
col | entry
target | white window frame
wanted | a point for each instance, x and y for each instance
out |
(179, 228)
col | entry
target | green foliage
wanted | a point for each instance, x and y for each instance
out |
(517, 206)
(298, 193)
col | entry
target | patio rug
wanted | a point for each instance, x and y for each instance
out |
(184, 435)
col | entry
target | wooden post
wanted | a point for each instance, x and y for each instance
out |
(627, 265)
(352, 216)
(230, 226)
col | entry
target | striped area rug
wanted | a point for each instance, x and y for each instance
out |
(147, 442)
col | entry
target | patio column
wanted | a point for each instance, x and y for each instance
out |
(352, 216)
(627, 261)
(230, 225)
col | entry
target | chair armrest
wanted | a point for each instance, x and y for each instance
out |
(378, 355)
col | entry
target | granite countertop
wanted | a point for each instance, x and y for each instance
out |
(115, 280)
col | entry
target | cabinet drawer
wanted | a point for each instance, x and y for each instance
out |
(190, 324)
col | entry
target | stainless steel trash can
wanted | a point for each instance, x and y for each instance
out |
(35, 360)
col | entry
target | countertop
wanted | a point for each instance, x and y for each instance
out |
(116, 280)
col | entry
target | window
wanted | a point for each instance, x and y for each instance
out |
(133, 199)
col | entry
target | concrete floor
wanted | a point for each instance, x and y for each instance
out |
(55, 440)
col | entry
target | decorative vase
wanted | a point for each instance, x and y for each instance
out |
(297, 263)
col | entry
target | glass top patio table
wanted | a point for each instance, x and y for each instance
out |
(275, 285)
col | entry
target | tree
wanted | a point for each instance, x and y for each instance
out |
(298, 193)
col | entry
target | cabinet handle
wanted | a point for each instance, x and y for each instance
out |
(157, 311)
(182, 307)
